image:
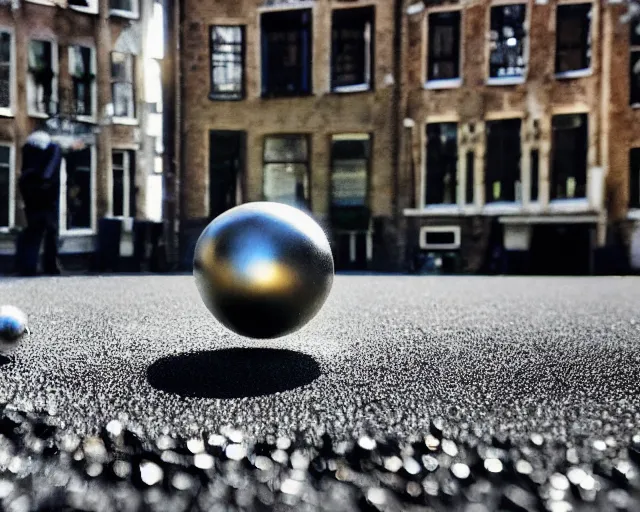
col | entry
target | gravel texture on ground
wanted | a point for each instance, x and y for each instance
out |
(404, 393)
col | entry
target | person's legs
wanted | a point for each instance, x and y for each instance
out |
(29, 245)
(50, 262)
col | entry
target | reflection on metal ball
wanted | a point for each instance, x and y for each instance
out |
(263, 269)
(13, 325)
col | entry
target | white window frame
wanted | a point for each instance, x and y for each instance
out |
(134, 14)
(55, 65)
(633, 48)
(10, 110)
(369, 56)
(577, 73)
(92, 9)
(12, 187)
(94, 84)
(440, 229)
(511, 80)
(126, 181)
(131, 121)
(63, 199)
(445, 83)
(449, 207)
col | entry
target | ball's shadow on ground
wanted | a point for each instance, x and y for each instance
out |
(233, 373)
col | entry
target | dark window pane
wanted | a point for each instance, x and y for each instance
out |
(470, 177)
(502, 163)
(227, 62)
(634, 178)
(79, 190)
(5, 191)
(444, 46)
(118, 192)
(5, 69)
(573, 37)
(440, 237)
(508, 39)
(352, 47)
(634, 32)
(634, 78)
(535, 174)
(569, 156)
(350, 167)
(442, 163)
(121, 5)
(286, 53)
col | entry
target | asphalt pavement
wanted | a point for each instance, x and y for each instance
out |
(508, 359)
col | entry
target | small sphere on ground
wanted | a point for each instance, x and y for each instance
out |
(263, 269)
(13, 325)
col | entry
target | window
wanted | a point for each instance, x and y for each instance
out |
(286, 170)
(77, 193)
(634, 178)
(83, 74)
(126, 8)
(42, 80)
(286, 53)
(508, 40)
(442, 163)
(350, 155)
(535, 174)
(123, 184)
(569, 156)
(502, 164)
(227, 63)
(6, 187)
(444, 46)
(88, 6)
(6, 52)
(634, 63)
(573, 38)
(471, 157)
(122, 81)
(352, 49)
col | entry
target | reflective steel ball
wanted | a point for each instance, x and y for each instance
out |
(13, 325)
(263, 269)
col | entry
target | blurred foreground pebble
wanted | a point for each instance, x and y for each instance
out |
(43, 468)
(13, 325)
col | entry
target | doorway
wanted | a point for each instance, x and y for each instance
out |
(226, 170)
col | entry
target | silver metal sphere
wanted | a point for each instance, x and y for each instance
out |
(13, 325)
(263, 269)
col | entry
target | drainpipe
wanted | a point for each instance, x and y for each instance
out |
(396, 117)
(169, 125)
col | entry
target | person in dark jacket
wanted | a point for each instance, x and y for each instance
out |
(40, 189)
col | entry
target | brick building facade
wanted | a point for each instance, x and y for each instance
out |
(80, 64)
(477, 136)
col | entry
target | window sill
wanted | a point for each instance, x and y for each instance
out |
(215, 97)
(86, 119)
(577, 205)
(39, 115)
(127, 121)
(6, 112)
(6, 230)
(77, 232)
(433, 210)
(507, 80)
(124, 14)
(578, 73)
(503, 208)
(443, 84)
(635, 106)
(633, 214)
(352, 88)
(84, 10)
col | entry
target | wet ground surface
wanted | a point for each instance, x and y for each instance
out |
(405, 393)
